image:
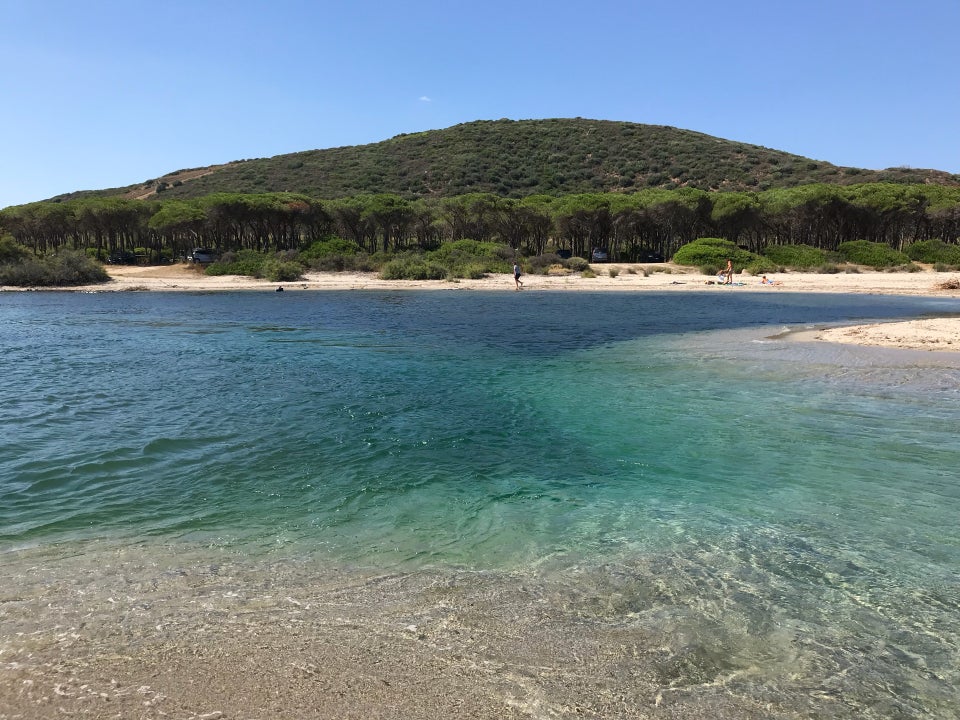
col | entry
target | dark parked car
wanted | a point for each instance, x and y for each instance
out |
(123, 257)
(598, 255)
(203, 256)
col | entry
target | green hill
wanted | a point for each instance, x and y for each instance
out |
(520, 158)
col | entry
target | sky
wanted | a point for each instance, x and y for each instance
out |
(107, 93)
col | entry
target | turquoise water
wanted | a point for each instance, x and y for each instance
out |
(783, 505)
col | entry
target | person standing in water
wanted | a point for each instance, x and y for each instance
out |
(516, 275)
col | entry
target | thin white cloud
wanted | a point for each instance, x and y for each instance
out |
(424, 98)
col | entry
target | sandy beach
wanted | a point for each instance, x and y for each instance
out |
(941, 334)
(627, 278)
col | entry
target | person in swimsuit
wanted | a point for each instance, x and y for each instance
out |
(516, 275)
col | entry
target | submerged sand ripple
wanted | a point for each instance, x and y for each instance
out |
(140, 638)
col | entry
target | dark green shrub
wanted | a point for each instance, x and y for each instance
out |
(328, 247)
(713, 251)
(242, 262)
(871, 254)
(29, 272)
(412, 268)
(62, 269)
(472, 272)
(360, 262)
(72, 267)
(276, 267)
(460, 254)
(577, 264)
(277, 270)
(795, 256)
(540, 264)
(934, 251)
(331, 263)
(761, 266)
(11, 251)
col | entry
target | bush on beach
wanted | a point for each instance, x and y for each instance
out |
(762, 265)
(276, 267)
(65, 268)
(871, 254)
(336, 254)
(714, 252)
(934, 252)
(472, 258)
(799, 257)
(241, 262)
(361, 262)
(329, 246)
(542, 264)
(412, 268)
(467, 258)
(277, 270)
(458, 259)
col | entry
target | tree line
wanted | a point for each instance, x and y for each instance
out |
(643, 226)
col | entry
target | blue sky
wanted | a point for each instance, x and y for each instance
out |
(100, 94)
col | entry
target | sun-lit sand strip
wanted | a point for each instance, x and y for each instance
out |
(926, 334)
(939, 334)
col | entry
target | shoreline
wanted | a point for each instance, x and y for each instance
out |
(628, 277)
(933, 334)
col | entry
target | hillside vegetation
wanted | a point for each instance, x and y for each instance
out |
(558, 189)
(516, 159)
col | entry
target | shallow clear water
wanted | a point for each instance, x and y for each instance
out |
(782, 505)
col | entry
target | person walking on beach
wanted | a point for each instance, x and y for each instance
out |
(516, 275)
(729, 273)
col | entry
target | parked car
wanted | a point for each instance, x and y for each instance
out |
(122, 257)
(203, 256)
(598, 255)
